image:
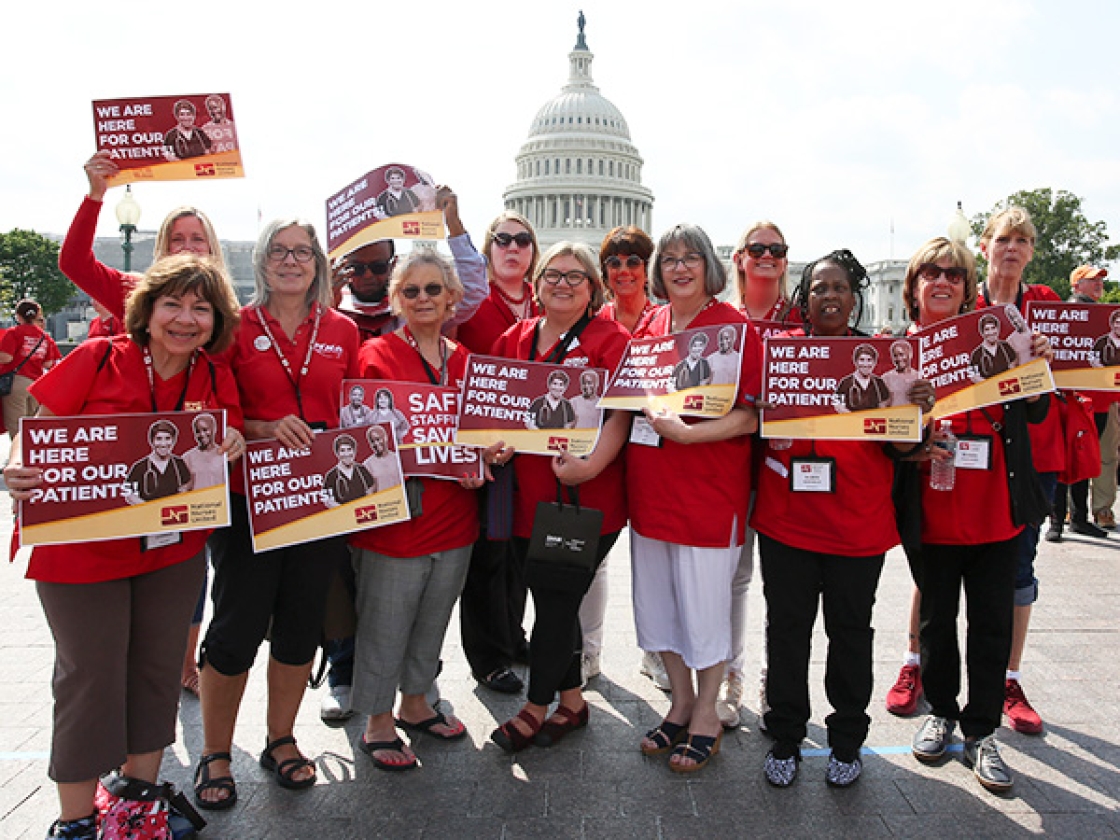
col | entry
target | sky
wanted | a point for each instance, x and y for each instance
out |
(857, 124)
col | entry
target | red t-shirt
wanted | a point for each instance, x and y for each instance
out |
(609, 312)
(1048, 448)
(696, 494)
(105, 327)
(978, 508)
(88, 382)
(492, 319)
(23, 342)
(105, 284)
(450, 512)
(600, 345)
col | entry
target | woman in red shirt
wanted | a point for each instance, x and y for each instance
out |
(569, 290)
(29, 351)
(688, 486)
(119, 613)
(409, 575)
(824, 548)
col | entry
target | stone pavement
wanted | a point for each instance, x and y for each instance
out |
(596, 784)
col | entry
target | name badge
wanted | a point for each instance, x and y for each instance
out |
(974, 452)
(642, 433)
(812, 475)
(151, 541)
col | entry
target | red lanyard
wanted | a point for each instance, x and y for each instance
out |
(294, 380)
(152, 380)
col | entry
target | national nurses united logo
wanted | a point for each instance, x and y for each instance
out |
(175, 515)
(874, 425)
(558, 444)
(410, 228)
(204, 170)
(1116, 379)
(1009, 387)
(365, 515)
(694, 402)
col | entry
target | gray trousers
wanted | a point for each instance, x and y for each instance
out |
(404, 605)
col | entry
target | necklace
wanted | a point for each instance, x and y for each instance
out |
(520, 307)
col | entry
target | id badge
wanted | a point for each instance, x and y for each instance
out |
(812, 475)
(641, 432)
(150, 541)
(974, 452)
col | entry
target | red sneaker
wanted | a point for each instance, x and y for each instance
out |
(1018, 710)
(903, 697)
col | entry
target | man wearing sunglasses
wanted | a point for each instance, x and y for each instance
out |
(361, 278)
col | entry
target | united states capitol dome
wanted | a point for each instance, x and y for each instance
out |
(578, 173)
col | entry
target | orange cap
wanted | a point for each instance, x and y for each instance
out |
(1087, 272)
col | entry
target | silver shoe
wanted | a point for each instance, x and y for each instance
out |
(932, 739)
(654, 668)
(982, 755)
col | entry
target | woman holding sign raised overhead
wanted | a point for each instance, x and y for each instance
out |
(569, 290)
(825, 520)
(688, 484)
(970, 537)
(291, 355)
(409, 575)
(119, 609)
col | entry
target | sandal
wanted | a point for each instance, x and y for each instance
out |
(396, 745)
(560, 723)
(510, 738)
(700, 748)
(285, 770)
(203, 782)
(666, 736)
(427, 726)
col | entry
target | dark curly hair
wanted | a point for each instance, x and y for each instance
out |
(842, 259)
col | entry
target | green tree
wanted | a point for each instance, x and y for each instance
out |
(29, 269)
(1066, 239)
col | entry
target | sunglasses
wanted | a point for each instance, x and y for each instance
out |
(777, 250)
(358, 268)
(432, 290)
(632, 261)
(930, 272)
(503, 240)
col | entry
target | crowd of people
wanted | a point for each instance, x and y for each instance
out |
(696, 494)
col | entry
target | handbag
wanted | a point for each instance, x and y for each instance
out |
(8, 379)
(566, 534)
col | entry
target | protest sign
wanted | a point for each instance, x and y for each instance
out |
(840, 389)
(129, 475)
(768, 329)
(532, 406)
(395, 201)
(346, 481)
(694, 372)
(1086, 342)
(423, 418)
(169, 138)
(981, 358)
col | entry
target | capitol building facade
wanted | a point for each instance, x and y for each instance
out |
(579, 174)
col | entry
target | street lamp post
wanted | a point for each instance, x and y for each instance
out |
(128, 214)
(959, 228)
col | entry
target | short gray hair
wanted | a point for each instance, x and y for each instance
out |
(696, 241)
(320, 289)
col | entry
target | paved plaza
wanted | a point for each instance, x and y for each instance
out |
(596, 784)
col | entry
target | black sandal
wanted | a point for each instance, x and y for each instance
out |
(203, 782)
(285, 770)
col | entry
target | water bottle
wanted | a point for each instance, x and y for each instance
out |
(943, 472)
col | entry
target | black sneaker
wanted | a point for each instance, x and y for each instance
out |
(502, 680)
(982, 755)
(932, 739)
(83, 829)
(1053, 533)
(1088, 529)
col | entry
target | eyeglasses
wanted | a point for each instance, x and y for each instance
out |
(503, 240)
(688, 261)
(930, 272)
(572, 278)
(632, 261)
(777, 250)
(358, 268)
(432, 290)
(302, 253)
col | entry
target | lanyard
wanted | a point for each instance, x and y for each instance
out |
(295, 381)
(561, 349)
(152, 380)
(433, 377)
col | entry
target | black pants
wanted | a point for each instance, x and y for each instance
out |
(556, 644)
(794, 583)
(987, 573)
(492, 606)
